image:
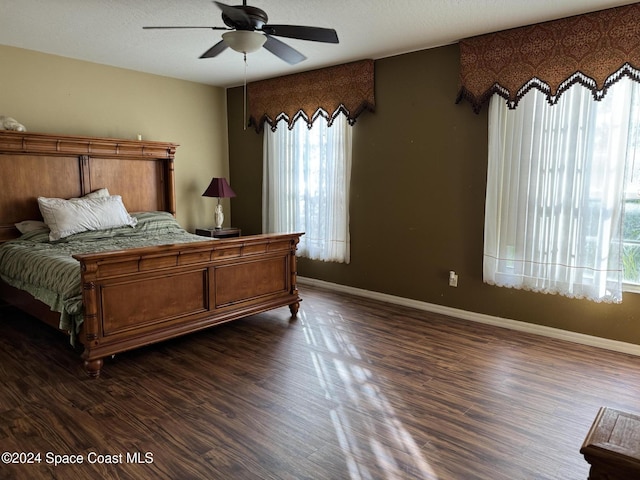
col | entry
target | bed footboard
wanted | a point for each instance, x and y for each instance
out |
(137, 297)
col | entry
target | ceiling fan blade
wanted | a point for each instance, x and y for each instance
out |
(237, 15)
(316, 34)
(283, 51)
(217, 49)
(173, 27)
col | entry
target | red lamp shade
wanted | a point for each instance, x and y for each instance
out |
(219, 188)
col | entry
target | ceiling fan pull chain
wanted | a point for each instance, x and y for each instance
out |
(245, 92)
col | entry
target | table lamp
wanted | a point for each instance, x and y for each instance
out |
(219, 188)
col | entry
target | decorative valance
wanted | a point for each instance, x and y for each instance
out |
(594, 49)
(347, 89)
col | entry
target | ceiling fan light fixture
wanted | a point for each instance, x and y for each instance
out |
(244, 41)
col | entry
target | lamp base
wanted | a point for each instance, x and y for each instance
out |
(219, 217)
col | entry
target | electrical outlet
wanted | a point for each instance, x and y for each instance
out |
(453, 279)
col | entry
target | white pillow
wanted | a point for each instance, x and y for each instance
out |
(66, 217)
(101, 192)
(27, 226)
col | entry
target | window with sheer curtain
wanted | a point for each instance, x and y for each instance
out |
(306, 181)
(562, 211)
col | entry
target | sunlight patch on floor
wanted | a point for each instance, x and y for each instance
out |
(346, 380)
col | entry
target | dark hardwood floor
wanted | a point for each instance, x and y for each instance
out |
(353, 389)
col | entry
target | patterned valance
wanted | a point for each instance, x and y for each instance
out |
(347, 89)
(594, 49)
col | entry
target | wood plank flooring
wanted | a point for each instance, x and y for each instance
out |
(353, 389)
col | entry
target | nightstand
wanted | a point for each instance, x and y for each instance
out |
(218, 232)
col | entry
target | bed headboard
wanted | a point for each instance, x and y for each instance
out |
(34, 164)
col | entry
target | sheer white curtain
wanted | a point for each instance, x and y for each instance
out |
(555, 191)
(306, 178)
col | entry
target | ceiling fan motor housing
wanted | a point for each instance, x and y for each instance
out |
(256, 16)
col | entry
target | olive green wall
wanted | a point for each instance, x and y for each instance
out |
(417, 202)
(52, 94)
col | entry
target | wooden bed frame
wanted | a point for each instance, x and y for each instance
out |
(136, 297)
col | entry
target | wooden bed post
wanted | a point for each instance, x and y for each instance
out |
(294, 307)
(170, 187)
(90, 324)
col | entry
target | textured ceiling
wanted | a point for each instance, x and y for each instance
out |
(110, 31)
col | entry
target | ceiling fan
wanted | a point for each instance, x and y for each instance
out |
(249, 31)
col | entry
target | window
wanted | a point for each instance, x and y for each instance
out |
(306, 181)
(558, 200)
(631, 228)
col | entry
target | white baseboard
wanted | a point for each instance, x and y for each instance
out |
(551, 332)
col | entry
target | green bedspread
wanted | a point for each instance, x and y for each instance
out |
(48, 271)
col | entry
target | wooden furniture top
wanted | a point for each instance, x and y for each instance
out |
(40, 143)
(612, 446)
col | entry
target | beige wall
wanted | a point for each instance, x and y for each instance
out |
(51, 94)
(417, 202)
